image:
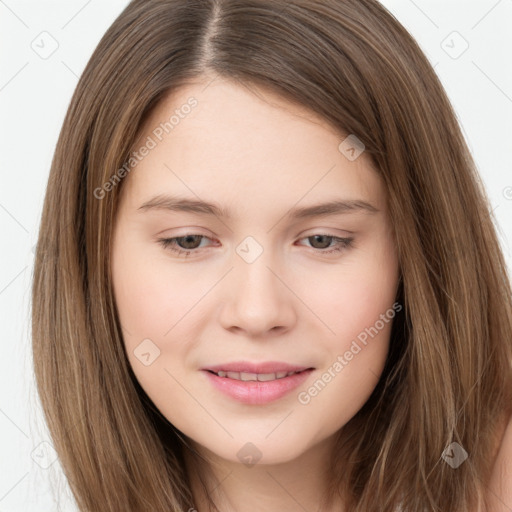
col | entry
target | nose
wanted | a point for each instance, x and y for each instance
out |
(258, 299)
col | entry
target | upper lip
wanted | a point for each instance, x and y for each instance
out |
(260, 368)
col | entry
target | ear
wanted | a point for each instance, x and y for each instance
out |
(499, 490)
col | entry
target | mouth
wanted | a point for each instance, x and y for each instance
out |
(257, 384)
(260, 377)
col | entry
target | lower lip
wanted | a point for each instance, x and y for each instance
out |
(256, 392)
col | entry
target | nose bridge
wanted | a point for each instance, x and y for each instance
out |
(257, 298)
(252, 271)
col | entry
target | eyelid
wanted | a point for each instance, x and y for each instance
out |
(327, 231)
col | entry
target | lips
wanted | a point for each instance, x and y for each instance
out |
(257, 383)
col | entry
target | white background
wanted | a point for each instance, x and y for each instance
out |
(34, 95)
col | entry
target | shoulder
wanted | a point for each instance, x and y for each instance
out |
(499, 490)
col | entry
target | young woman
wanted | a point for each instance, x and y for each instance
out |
(267, 277)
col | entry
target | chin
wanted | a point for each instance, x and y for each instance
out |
(251, 451)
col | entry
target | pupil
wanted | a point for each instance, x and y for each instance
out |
(327, 239)
(189, 240)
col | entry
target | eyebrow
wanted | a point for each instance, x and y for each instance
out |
(183, 204)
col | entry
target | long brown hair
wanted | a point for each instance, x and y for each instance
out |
(448, 376)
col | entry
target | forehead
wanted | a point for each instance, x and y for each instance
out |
(222, 140)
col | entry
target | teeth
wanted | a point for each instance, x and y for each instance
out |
(262, 377)
(248, 376)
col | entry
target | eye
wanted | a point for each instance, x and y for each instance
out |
(187, 244)
(182, 244)
(324, 241)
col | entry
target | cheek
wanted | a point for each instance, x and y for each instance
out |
(354, 360)
(359, 314)
(357, 304)
(151, 295)
(159, 306)
(141, 299)
(152, 313)
(352, 298)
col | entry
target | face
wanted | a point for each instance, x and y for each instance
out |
(228, 275)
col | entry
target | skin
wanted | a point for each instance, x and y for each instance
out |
(259, 156)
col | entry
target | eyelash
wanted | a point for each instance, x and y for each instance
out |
(342, 243)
